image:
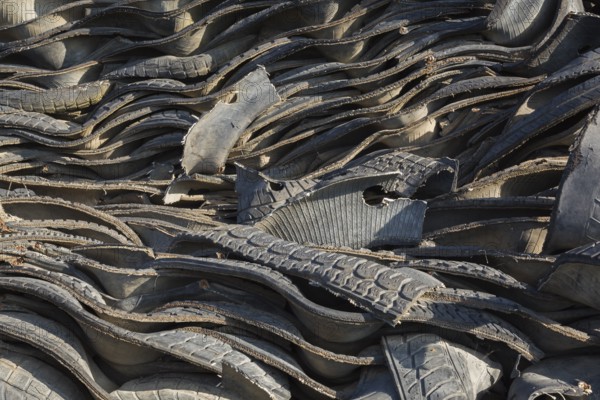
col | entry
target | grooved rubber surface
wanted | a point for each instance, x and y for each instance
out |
(425, 366)
(371, 286)
(26, 378)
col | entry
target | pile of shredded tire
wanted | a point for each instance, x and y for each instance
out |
(299, 199)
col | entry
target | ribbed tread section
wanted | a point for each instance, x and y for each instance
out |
(23, 377)
(480, 323)
(51, 101)
(317, 218)
(374, 287)
(518, 22)
(425, 366)
(172, 386)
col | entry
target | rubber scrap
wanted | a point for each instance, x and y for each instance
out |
(426, 366)
(209, 141)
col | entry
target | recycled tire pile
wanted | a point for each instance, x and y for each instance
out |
(308, 199)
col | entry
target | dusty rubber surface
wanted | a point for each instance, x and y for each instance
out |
(260, 199)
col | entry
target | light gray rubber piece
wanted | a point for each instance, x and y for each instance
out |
(425, 366)
(569, 378)
(23, 377)
(576, 217)
(209, 141)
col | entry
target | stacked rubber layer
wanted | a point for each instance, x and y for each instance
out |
(303, 199)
